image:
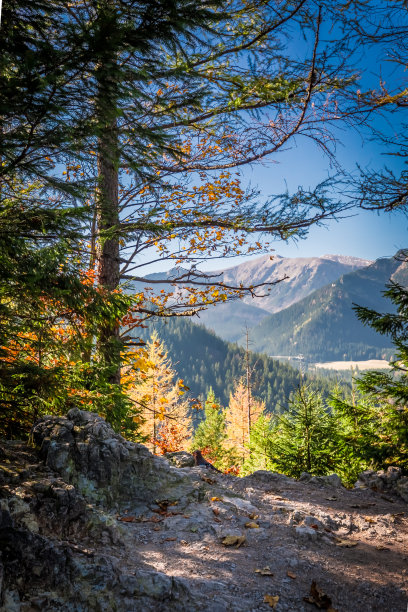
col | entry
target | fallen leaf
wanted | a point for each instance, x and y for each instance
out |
(331, 498)
(156, 529)
(272, 600)
(380, 547)
(216, 499)
(368, 519)
(128, 519)
(216, 511)
(291, 575)
(346, 543)
(253, 516)
(217, 520)
(209, 480)
(319, 598)
(234, 540)
(170, 539)
(165, 503)
(314, 526)
(251, 525)
(265, 571)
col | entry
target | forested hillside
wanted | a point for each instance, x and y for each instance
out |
(204, 360)
(324, 327)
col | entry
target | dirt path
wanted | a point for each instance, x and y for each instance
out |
(353, 544)
(285, 536)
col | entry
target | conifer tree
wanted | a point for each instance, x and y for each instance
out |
(260, 455)
(359, 441)
(210, 435)
(389, 390)
(239, 416)
(302, 438)
(158, 393)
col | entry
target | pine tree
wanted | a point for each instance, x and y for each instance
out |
(260, 446)
(360, 442)
(389, 390)
(210, 435)
(304, 436)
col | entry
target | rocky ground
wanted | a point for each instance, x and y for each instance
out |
(89, 522)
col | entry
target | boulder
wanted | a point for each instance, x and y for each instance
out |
(264, 477)
(180, 459)
(332, 480)
(104, 467)
(390, 480)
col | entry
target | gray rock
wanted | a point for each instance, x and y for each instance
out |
(333, 480)
(402, 488)
(264, 477)
(312, 520)
(303, 532)
(181, 459)
(240, 505)
(102, 465)
(390, 480)
(11, 602)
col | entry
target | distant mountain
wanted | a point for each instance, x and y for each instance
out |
(229, 320)
(203, 360)
(304, 275)
(323, 326)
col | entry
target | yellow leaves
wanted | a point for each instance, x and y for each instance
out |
(272, 600)
(216, 499)
(234, 541)
(265, 571)
(251, 525)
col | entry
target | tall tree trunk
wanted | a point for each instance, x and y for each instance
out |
(107, 252)
(107, 205)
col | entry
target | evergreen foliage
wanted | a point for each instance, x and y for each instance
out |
(390, 389)
(203, 360)
(302, 438)
(211, 434)
(49, 311)
(260, 454)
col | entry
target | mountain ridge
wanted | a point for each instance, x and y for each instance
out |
(323, 325)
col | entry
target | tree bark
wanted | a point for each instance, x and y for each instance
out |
(107, 200)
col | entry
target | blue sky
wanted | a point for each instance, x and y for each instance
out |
(363, 233)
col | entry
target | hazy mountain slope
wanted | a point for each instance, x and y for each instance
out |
(229, 320)
(323, 325)
(204, 360)
(305, 275)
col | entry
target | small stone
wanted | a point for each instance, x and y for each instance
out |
(306, 533)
